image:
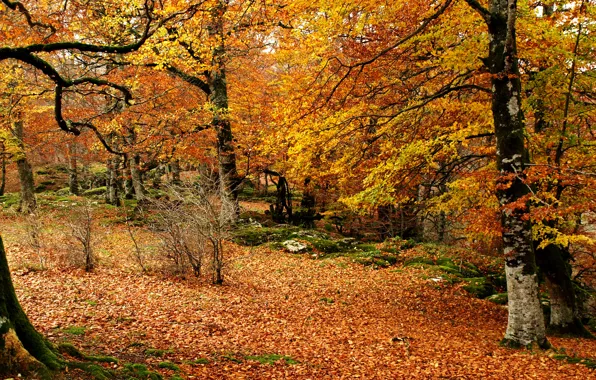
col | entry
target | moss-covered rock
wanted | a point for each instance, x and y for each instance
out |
(499, 298)
(94, 192)
(479, 287)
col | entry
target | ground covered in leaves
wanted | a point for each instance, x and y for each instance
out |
(278, 315)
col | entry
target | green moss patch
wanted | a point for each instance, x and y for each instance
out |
(271, 359)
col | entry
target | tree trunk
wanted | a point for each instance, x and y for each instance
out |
(219, 99)
(28, 203)
(526, 322)
(564, 316)
(175, 169)
(73, 177)
(22, 348)
(3, 180)
(137, 177)
(112, 193)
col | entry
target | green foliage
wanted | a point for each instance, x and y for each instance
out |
(254, 236)
(9, 200)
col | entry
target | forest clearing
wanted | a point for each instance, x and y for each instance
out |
(297, 189)
(328, 317)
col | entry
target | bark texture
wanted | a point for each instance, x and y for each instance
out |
(22, 348)
(28, 202)
(526, 323)
(565, 316)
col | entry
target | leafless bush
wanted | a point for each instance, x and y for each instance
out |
(80, 228)
(35, 239)
(192, 223)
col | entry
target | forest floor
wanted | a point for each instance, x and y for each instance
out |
(278, 315)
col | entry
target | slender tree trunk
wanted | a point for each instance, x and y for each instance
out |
(3, 179)
(22, 348)
(175, 169)
(526, 322)
(73, 177)
(112, 187)
(28, 202)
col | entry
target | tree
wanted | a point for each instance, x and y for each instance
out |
(31, 42)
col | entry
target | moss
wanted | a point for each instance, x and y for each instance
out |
(75, 330)
(157, 353)
(70, 349)
(201, 361)
(272, 358)
(479, 287)
(92, 192)
(168, 365)
(98, 372)
(9, 199)
(499, 298)
(418, 261)
(140, 371)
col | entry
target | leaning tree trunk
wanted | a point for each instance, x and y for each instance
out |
(28, 202)
(22, 348)
(526, 323)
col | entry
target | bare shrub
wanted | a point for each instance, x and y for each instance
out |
(35, 237)
(192, 222)
(80, 229)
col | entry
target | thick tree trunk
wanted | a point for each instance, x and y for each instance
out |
(28, 203)
(564, 316)
(219, 98)
(526, 322)
(22, 348)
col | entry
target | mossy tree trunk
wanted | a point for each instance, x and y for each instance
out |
(3, 158)
(22, 348)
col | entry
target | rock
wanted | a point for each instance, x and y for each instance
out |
(499, 298)
(294, 246)
(479, 287)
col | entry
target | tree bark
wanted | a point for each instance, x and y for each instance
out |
(22, 348)
(219, 98)
(73, 177)
(137, 177)
(112, 193)
(526, 322)
(3, 180)
(28, 203)
(565, 318)
(175, 170)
